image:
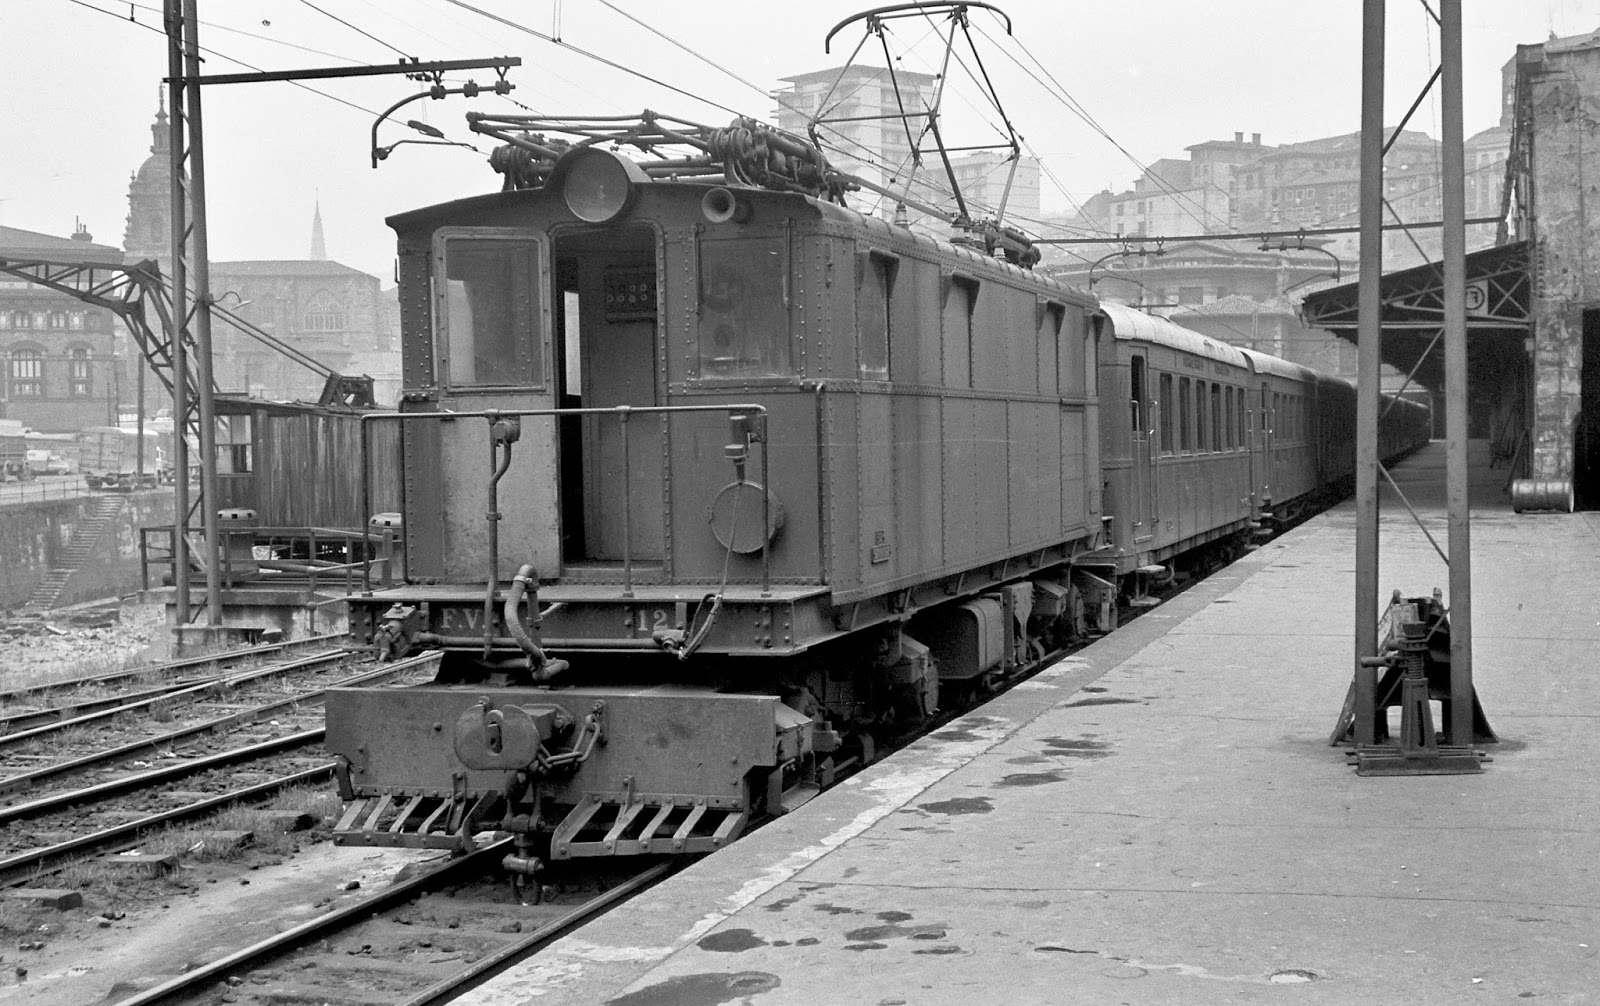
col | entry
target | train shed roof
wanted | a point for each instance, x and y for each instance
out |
(1499, 290)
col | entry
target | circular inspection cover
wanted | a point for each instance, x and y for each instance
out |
(736, 517)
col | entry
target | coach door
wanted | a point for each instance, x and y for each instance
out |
(611, 488)
(1267, 440)
(1142, 437)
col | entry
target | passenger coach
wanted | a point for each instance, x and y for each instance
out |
(1204, 442)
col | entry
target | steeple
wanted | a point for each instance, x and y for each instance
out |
(148, 234)
(319, 249)
(160, 137)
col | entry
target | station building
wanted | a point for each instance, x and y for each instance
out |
(1549, 89)
(335, 314)
(64, 361)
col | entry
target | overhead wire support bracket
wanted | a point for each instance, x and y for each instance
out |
(417, 69)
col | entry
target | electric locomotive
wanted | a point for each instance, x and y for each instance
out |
(709, 483)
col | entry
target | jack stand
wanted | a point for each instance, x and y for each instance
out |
(1417, 738)
(1419, 751)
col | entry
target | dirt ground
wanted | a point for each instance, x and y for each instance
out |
(132, 932)
(84, 640)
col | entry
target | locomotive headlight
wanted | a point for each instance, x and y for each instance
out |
(598, 185)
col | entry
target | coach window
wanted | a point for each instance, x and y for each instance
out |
(744, 308)
(1228, 442)
(488, 313)
(1199, 415)
(1241, 417)
(1165, 407)
(1216, 417)
(1136, 395)
(1185, 411)
(874, 299)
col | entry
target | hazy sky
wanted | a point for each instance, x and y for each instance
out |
(1157, 75)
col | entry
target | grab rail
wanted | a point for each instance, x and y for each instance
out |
(623, 412)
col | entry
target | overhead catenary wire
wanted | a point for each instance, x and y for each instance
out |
(473, 27)
(325, 13)
(866, 154)
(1056, 90)
(232, 59)
(592, 55)
(214, 26)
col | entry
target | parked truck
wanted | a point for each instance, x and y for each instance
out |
(14, 458)
(109, 456)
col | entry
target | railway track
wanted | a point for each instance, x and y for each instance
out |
(145, 721)
(200, 664)
(210, 765)
(409, 944)
(419, 942)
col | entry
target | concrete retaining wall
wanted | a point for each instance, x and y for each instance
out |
(33, 535)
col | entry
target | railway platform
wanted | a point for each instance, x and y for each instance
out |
(1159, 819)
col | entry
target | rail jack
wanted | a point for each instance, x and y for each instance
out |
(1415, 655)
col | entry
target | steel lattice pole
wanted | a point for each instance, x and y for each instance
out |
(1369, 359)
(1455, 380)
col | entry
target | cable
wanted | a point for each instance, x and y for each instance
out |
(304, 87)
(363, 31)
(594, 56)
(870, 160)
(493, 39)
(1060, 93)
(235, 31)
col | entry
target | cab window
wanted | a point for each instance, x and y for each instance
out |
(744, 322)
(488, 313)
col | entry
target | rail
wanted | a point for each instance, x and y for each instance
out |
(498, 436)
(326, 558)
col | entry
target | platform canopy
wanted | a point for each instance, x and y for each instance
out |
(1498, 315)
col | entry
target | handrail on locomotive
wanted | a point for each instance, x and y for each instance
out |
(747, 425)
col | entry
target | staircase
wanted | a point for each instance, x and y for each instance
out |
(48, 592)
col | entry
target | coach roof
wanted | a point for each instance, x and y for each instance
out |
(1126, 323)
